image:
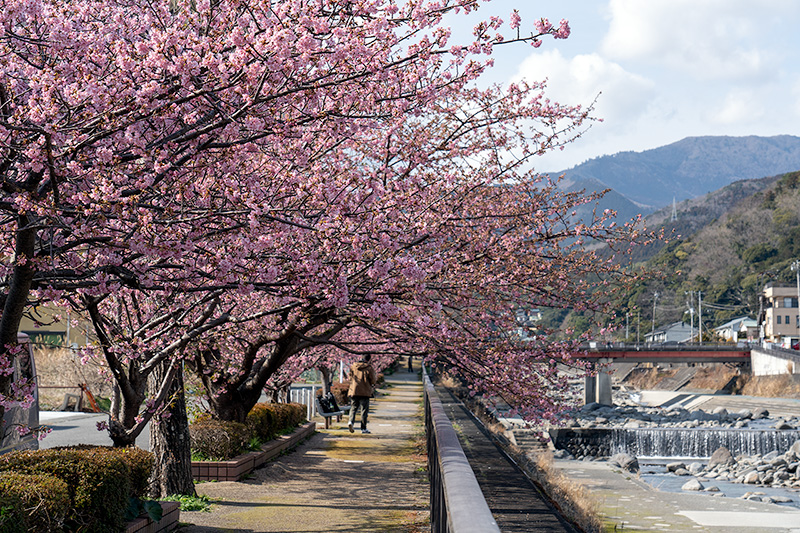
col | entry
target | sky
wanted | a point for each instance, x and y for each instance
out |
(661, 70)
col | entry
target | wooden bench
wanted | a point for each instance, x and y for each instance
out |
(328, 408)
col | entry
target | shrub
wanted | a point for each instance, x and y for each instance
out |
(100, 480)
(339, 390)
(286, 415)
(261, 422)
(218, 440)
(32, 502)
(139, 461)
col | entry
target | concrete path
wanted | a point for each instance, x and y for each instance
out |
(628, 503)
(336, 481)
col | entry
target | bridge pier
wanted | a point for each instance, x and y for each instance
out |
(597, 388)
(589, 389)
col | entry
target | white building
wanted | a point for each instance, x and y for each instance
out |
(742, 328)
(675, 332)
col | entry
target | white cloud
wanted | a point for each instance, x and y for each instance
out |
(585, 77)
(739, 107)
(709, 39)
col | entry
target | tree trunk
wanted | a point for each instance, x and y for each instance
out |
(169, 441)
(326, 379)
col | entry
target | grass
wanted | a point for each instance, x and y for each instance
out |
(190, 503)
(574, 500)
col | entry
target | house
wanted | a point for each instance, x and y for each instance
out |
(675, 332)
(52, 326)
(742, 328)
(779, 316)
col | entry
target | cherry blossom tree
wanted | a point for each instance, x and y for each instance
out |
(425, 238)
(127, 128)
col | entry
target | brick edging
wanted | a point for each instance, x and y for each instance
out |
(169, 519)
(241, 465)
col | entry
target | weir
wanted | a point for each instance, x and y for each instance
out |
(673, 442)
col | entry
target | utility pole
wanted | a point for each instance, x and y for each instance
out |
(700, 315)
(690, 305)
(796, 269)
(627, 329)
(638, 322)
(653, 331)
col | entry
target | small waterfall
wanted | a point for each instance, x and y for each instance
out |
(700, 442)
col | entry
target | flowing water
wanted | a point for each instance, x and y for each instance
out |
(700, 442)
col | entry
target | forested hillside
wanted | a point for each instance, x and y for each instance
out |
(726, 244)
(729, 259)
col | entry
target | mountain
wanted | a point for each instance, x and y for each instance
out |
(645, 181)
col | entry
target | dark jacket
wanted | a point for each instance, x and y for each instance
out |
(362, 379)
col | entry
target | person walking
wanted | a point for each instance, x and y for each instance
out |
(362, 380)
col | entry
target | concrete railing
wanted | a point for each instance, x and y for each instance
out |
(457, 503)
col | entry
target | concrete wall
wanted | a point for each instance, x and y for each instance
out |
(770, 363)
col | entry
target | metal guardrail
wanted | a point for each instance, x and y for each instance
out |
(644, 346)
(457, 503)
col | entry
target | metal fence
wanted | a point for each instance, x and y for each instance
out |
(305, 395)
(457, 503)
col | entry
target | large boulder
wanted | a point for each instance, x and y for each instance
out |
(625, 461)
(760, 412)
(692, 484)
(721, 456)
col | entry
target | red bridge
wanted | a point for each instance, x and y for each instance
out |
(669, 353)
(598, 387)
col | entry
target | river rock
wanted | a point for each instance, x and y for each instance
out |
(751, 478)
(561, 454)
(770, 456)
(783, 424)
(625, 462)
(672, 467)
(694, 468)
(778, 462)
(712, 488)
(760, 412)
(692, 484)
(682, 472)
(795, 448)
(721, 456)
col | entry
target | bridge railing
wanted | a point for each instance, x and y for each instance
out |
(621, 346)
(783, 353)
(457, 503)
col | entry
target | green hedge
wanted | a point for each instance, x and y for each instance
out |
(100, 481)
(32, 502)
(219, 440)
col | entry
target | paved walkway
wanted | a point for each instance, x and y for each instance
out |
(336, 481)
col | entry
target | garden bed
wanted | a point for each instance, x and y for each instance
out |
(241, 465)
